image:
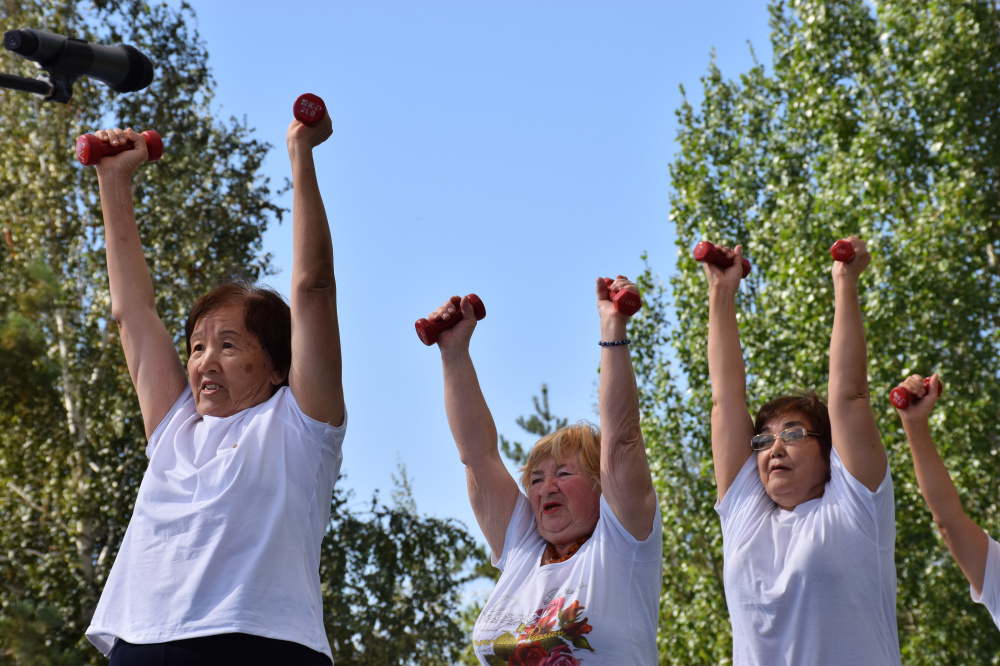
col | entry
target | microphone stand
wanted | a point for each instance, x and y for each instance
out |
(54, 86)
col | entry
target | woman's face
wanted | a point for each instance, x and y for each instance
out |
(564, 499)
(792, 473)
(228, 369)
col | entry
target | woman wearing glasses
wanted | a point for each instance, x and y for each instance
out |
(805, 497)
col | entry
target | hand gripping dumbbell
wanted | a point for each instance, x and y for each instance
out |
(705, 251)
(901, 397)
(428, 331)
(626, 302)
(90, 149)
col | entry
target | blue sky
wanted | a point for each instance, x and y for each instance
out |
(517, 150)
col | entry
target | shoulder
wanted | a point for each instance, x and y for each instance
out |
(609, 525)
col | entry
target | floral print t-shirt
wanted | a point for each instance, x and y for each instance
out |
(597, 608)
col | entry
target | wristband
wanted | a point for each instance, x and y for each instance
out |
(615, 343)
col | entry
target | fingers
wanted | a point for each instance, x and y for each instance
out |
(728, 269)
(605, 289)
(449, 309)
(311, 135)
(915, 385)
(858, 263)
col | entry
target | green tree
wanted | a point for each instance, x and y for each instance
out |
(878, 120)
(71, 437)
(392, 582)
(539, 424)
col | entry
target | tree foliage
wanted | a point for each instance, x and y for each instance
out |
(392, 582)
(878, 120)
(71, 437)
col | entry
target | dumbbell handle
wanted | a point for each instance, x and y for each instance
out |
(626, 302)
(705, 251)
(90, 149)
(901, 397)
(842, 250)
(428, 330)
(308, 109)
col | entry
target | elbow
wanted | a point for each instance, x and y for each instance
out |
(316, 282)
(626, 438)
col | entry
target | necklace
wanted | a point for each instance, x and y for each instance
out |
(550, 556)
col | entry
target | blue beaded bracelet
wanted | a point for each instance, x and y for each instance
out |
(615, 343)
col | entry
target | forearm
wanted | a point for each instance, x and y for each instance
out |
(935, 483)
(726, 370)
(469, 417)
(848, 352)
(312, 267)
(732, 427)
(965, 539)
(618, 398)
(128, 275)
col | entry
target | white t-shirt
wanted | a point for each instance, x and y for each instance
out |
(815, 585)
(599, 607)
(991, 582)
(226, 531)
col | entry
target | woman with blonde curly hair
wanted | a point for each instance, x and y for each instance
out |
(580, 550)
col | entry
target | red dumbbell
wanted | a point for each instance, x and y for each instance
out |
(428, 331)
(626, 302)
(705, 251)
(308, 109)
(842, 250)
(90, 149)
(901, 397)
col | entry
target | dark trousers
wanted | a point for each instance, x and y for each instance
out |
(221, 650)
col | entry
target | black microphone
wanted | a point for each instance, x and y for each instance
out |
(124, 68)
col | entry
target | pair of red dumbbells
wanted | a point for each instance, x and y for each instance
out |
(704, 251)
(308, 109)
(843, 251)
(626, 302)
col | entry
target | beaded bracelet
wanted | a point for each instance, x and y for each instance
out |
(615, 343)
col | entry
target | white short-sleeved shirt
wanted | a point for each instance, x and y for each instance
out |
(226, 531)
(815, 585)
(599, 607)
(991, 582)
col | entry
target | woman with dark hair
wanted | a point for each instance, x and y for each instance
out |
(580, 549)
(805, 497)
(220, 563)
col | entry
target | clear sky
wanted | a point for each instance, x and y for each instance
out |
(513, 149)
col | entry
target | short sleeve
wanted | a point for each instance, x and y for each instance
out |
(991, 582)
(648, 550)
(520, 529)
(745, 504)
(872, 511)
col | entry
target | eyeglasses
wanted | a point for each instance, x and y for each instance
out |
(790, 436)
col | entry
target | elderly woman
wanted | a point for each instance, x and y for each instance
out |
(220, 563)
(977, 554)
(805, 498)
(581, 550)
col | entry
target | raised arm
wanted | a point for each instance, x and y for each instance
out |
(732, 427)
(966, 540)
(852, 424)
(316, 376)
(492, 490)
(625, 479)
(152, 359)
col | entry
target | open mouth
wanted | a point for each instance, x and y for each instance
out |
(210, 387)
(551, 507)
